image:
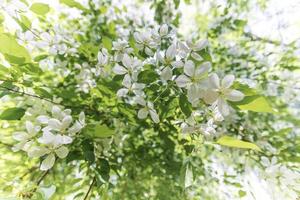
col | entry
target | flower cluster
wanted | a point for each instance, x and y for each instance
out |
(183, 57)
(49, 136)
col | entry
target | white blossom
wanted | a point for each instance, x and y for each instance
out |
(219, 92)
(147, 109)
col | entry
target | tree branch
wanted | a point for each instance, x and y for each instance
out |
(83, 107)
(90, 189)
(258, 38)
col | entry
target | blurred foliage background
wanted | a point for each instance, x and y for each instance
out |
(146, 161)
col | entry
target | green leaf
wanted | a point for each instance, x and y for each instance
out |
(107, 43)
(73, 4)
(103, 169)
(240, 23)
(176, 2)
(43, 92)
(12, 114)
(98, 131)
(255, 103)
(242, 193)
(245, 89)
(232, 142)
(185, 105)
(24, 22)
(204, 53)
(89, 50)
(88, 150)
(40, 8)
(147, 76)
(12, 51)
(4, 72)
(1, 18)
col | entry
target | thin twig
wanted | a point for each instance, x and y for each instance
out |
(258, 38)
(7, 145)
(167, 87)
(27, 94)
(90, 188)
(42, 178)
(84, 107)
(39, 182)
(28, 171)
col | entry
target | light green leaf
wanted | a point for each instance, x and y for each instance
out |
(73, 4)
(40, 8)
(232, 142)
(256, 104)
(98, 131)
(107, 43)
(24, 22)
(12, 114)
(12, 51)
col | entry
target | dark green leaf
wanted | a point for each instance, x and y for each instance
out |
(185, 105)
(88, 150)
(147, 76)
(12, 114)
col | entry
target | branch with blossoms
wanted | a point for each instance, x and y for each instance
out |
(117, 94)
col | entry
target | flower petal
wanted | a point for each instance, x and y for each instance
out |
(81, 118)
(37, 151)
(66, 122)
(77, 126)
(20, 136)
(193, 94)
(48, 162)
(118, 69)
(42, 119)
(127, 81)
(202, 69)
(122, 92)
(163, 30)
(200, 45)
(64, 139)
(171, 52)
(182, 81)
(142, 113)
(54, 124)
(126, 61)
(62, 152)
(223, 107)
(56, 112)
(154, 116)
(29, 127)
(47, 138)
(210, 96)
(227, 81)
(196, 56)
(140, 100)
(177, 64)
(166, 74)
(189, 68)
(214, 81)
(235, 95)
